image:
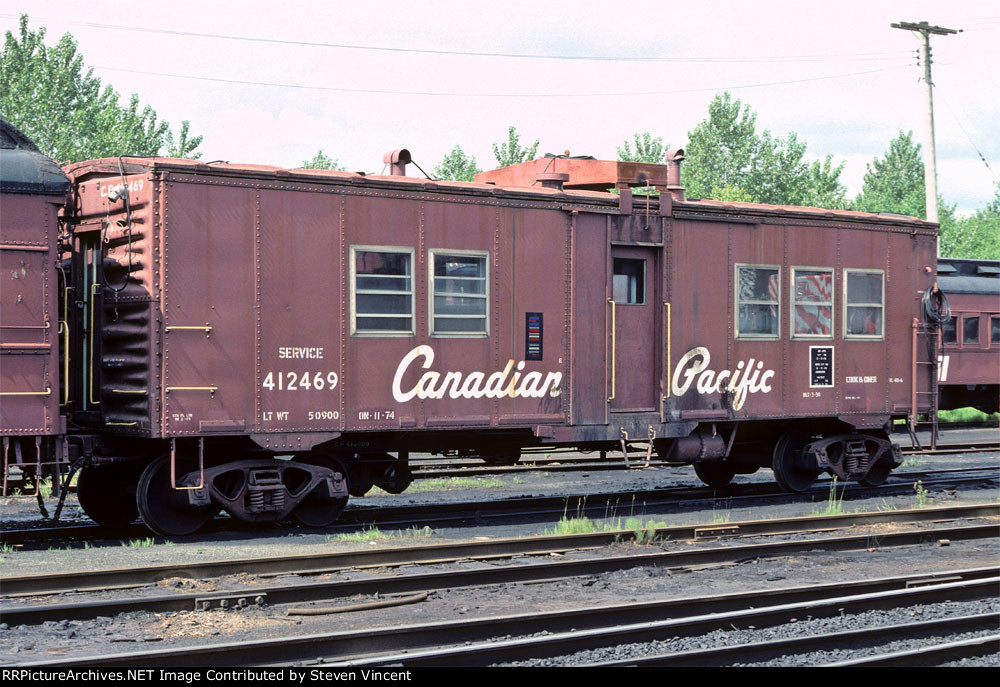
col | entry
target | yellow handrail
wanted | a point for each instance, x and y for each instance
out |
(614, 343)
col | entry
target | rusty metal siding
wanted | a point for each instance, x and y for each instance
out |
(590, 323)
(29, 319)
(208, 304)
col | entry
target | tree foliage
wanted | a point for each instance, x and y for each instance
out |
(977, 236)
(50, 96)
(511, 152)
(647, 149)
(456, 166)
(322, 161)
(895, 182)
(726, 155)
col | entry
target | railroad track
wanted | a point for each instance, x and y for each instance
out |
(527, 509)
(544, 635)
(798, 536)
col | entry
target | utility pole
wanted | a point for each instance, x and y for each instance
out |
(930, 158)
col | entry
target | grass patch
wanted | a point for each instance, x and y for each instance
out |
(644, 531)
(139, 543)
(923, 497)
(373, 533)
(834, 506)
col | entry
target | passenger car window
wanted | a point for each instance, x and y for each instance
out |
(460, 306)
(970, 330)
(994, 330)
(382, 295)
(949, 331)
(863, 304)
(812, 303)
(758, 296)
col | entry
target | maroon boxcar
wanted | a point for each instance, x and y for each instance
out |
(338, 321)
(32, 190)
(970, 355)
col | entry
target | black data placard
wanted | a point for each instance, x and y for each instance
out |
(820, 366)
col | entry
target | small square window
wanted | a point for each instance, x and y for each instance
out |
(460, 286)
(863, 304)
(758, 300)
(812, 303)
(629, 285)
(382, 301)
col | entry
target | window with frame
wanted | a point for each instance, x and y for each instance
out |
(383, 298)
(949, 331)
(460, 286)
(758, 296)
(863, 304)
(629, 281)
(970, 330)
(812, 303)
(994, 329)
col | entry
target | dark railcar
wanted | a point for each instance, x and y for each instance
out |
(247, 313)
(32, 190)
(970, 354)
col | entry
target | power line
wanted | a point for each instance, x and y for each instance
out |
(495, 95)
(845, 57)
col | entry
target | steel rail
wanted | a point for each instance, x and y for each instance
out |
(614, 634)
(608, 504)
(573, 630)
(931, 655)
(418, 582)
(444, 552)
(759, 652)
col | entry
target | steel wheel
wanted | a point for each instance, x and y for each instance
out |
(166, 510)
(715, 473)
(319, 508)
(790, 471)
(107, 494)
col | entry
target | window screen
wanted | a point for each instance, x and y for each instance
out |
(812, 303)
(864, 304)
(383, 291)
(758, 292)
(461, 295)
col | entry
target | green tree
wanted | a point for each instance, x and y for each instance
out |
(184, 146)
(977, 236)
(456, 166)
(647, 149)
(49, 95)
(726, 155)
(511, 152)
(895, 182)
(322, 161)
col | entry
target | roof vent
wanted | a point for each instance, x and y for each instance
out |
(553, 180)
(397, 161)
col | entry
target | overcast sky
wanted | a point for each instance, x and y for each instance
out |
(275, 82)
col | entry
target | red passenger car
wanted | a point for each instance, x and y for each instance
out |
(970, 356)
(267, 341)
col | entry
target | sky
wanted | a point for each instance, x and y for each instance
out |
(272, 83)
